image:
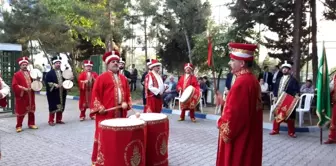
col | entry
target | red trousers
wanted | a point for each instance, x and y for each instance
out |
(82, 114)
(290, 124)
(31, 120)
(153, 105)
(58, 117)
(192, 113)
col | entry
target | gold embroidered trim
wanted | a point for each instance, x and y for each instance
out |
(242, 72)
(225, 131)
(97, 106)
(157, 121)
(122, 128)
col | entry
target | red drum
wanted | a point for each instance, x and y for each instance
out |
(284, 107)
(157, 138)
(122, 142)
(190, 97)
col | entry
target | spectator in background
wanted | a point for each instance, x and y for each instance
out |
(263, 85)
(203, 86)
(134, 77)
(307, 87)
(208, 84)
(44, 72)
(267, 77)
(276, 74)
(164, 78)
(170, 93)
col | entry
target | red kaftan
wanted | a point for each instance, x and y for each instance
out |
(332, 129)
(241, 123)
(154, 89)
(85, 89)
(105, 96)
(24, 100)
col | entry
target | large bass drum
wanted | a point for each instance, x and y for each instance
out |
(191, 97)
(122, 142)
(157, 138)
(284, 107)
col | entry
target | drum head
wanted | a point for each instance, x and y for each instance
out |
(187, 93)
(151, 116)
(67, 84)
(122, 122)
(36, 86)
(34, 73)
(67, 74)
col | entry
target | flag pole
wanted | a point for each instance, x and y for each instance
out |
(321, 135)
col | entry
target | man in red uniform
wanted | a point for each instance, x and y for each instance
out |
(24, 96)
(332, 128)
(86, 80)
(154, 88)
(110, 91)
(188, 79)
(240, 126)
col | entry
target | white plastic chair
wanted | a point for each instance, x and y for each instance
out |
(272, 106)
(178, 99)
(201, 103)
(306, 103)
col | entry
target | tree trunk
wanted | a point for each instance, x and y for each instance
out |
(314, 40)
(45, 53)
(188, 44)
(296, 39)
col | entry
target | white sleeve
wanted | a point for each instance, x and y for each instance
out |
(331, 85)
(4, 88)
(156, 91)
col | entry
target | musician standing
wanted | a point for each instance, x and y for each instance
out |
(154, 88)
(56, 94)
(24, 96)
(288, 84)
(110, 91)
(240, 125)
(188, 79)
(86, 80)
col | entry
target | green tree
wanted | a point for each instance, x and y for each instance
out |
(278, 17)
(179, 22)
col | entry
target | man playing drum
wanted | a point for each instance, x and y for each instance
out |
(24, 96)
(240, 125)
(56, 94)
(111, 96)
(86, 80)
(154, 88)
(286, 85)
(188, 79)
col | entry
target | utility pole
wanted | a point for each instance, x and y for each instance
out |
(146, 37)
(296, 38)
(314, 40)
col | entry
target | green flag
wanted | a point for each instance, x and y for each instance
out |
(323, 110)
